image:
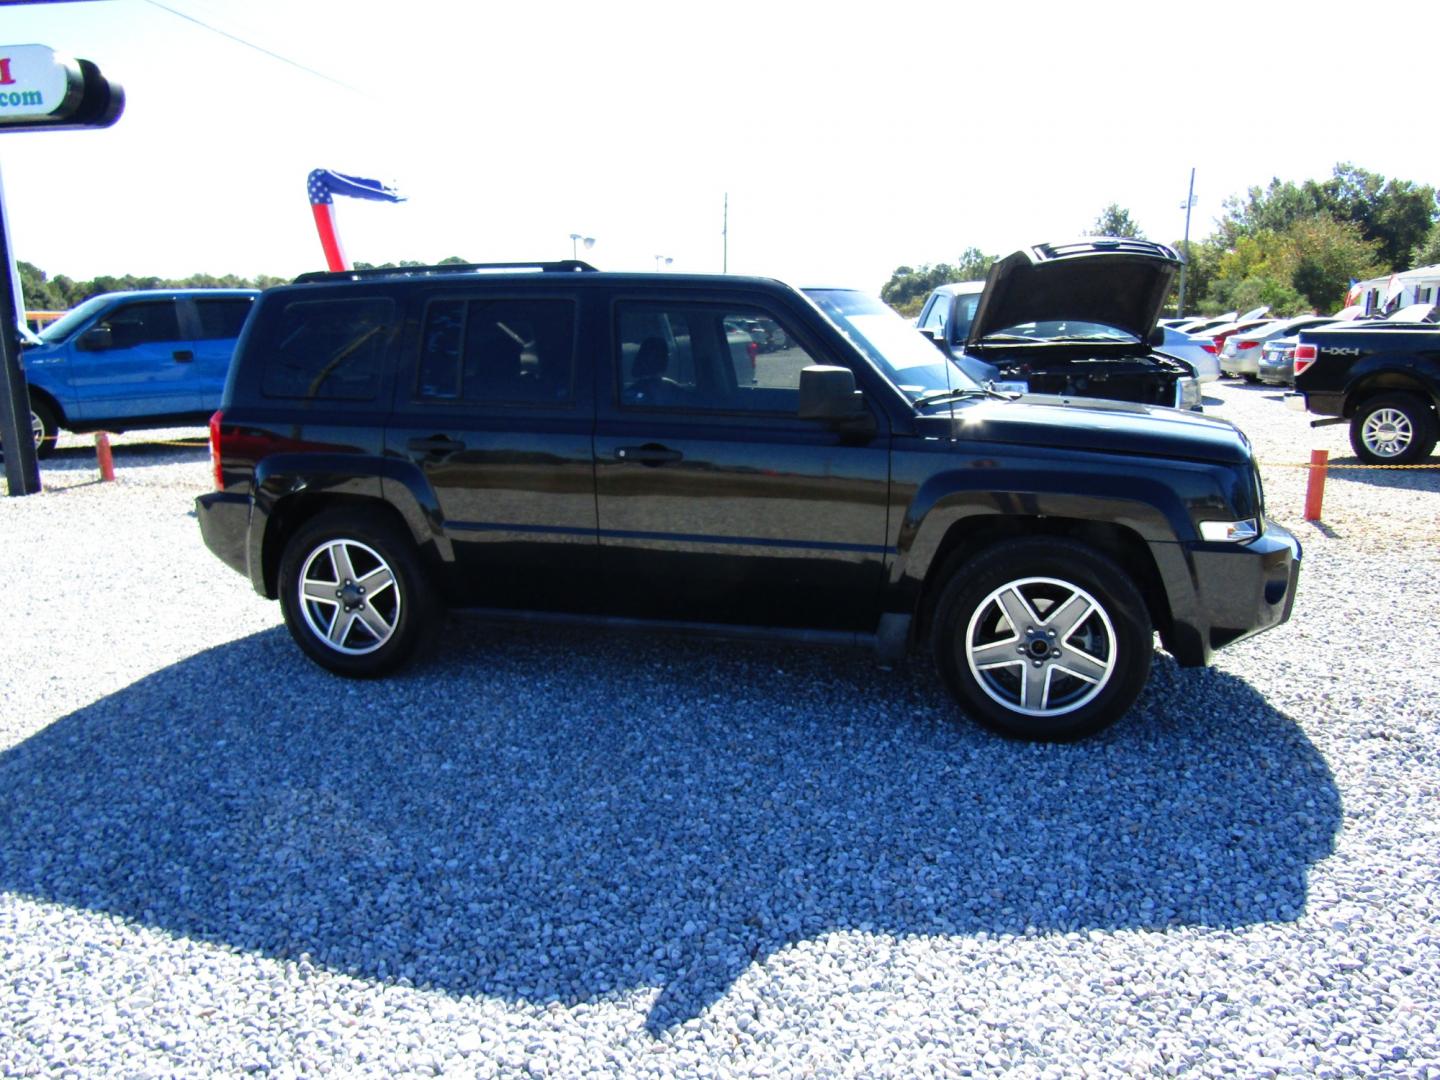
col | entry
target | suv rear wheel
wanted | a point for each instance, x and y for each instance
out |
(1043, 639)
(354, 593)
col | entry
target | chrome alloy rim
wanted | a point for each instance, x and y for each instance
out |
(1387, 433)
(37, 429)
(1041, 646)
(348, 597)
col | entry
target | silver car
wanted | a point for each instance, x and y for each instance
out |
(1240, 354)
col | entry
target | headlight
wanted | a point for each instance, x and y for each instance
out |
(1188, 393)
(1229, 532)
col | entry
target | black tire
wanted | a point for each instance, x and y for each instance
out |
(1393, 429)
(404, 607)
(1086, 675)
(46, 425)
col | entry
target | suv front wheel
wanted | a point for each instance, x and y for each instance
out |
(354, 593)
(1043, 639)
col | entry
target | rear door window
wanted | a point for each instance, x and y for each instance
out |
(497, 352)
(222, 318)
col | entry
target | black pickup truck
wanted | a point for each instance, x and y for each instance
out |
(1384, 378)
(553, 443)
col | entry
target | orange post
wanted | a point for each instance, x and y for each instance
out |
(1315, 489)
(103, 456)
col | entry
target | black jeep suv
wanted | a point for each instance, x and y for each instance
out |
(551, 442)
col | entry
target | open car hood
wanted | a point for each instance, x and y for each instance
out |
(1115, 281)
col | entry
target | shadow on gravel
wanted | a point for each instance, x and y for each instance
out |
(561, 816)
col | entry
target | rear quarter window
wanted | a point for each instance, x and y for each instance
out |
(327, 349)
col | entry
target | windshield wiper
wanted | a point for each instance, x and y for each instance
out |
(960, 392)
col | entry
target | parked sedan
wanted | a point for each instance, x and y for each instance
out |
(1277, 362)
(1240, 353)
(1196, 348)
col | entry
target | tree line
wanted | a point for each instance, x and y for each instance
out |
(1293, 246)
(60, 293)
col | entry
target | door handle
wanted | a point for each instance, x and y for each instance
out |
(183, 356)
(649, 454)
(436, 444)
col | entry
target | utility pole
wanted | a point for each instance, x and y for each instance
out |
(1189, 202)
(45, 91)
(725, 237)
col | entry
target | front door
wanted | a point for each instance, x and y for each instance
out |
(218, 320)
(133, 361)
(716, 502)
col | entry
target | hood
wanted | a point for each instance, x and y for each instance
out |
(1115, 281)
(1094, 424)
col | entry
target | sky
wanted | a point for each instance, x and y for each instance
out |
(850, 138)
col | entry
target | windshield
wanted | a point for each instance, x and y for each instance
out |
(64, 326)
(1061, 330)
(902, 353)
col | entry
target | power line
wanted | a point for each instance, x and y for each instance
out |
(257, 48)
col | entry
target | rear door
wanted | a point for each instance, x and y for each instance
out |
(216, 323)
(133, 361)
(716, 501)
(492, 411)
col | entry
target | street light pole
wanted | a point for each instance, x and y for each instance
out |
(665, 258)
(576, 239)
(1189, 202)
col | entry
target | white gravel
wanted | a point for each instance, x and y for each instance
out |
(561, 854)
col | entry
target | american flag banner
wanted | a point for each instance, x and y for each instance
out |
(323, 185)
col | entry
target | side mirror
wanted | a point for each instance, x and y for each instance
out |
(828, 393)
(935, 336)
(96, 339)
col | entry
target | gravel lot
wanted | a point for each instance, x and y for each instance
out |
(556, 854)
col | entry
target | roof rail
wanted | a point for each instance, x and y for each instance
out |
(563, 266)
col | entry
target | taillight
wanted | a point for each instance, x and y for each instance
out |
(1246, 345)
(215, 448)
(1305, 355)
(1208, 346)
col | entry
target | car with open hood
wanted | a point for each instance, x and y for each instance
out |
(1076, 319)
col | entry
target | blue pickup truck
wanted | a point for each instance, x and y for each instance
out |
(133, 360)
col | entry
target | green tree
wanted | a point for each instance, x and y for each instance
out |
(909, 286)
(1395, 214)
(974, 264)
(1115, 220)
(1427, 252)
(1273, 209)
(1324, 254)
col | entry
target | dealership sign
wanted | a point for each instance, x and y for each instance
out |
(42, 89)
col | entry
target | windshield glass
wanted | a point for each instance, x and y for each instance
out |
(907, 358)
(1061, 330)
(64, 326)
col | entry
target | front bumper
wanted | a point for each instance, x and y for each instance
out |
(1239, 590)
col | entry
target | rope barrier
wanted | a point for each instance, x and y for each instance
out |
(1332, 465)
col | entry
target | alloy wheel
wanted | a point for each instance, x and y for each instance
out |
(1387, 433)
(348, 597)
(1041, 646)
